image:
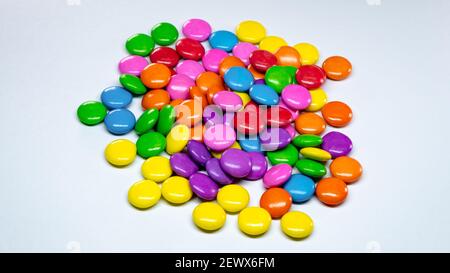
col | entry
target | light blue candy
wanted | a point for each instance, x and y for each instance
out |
(264, 94)
(116, 97)
(238, 78)
(120, 121)
(251, 144)
(300, 187)
(223, 39)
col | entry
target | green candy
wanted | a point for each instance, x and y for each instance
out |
(91, 112)
(303, 141)
(278, 78)
(166, 119)
(146, 121)
(164, 33)
(150, 144)
(132, 84)
(291, 70)
(311, 168)
(140, 44)
(288, 155)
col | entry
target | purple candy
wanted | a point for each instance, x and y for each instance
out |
(337, 144)
(260, 81)
(259, 166)
(198, 152)
(203, 186)
(216, 173)
(236, 163)
(274, 138)
(182, 165)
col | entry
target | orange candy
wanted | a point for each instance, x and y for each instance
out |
(309, 123)
(331, 191)
(337, 114)
(276, 201)
(155, 75)
(197, 132)
(176, 102)
(197, 94)
(337, 68)
(155, 98)
(209, 79)
(229, 62)
(288, 56)
(189, 112)
(346, 168)
(257, 75)
(211, 92)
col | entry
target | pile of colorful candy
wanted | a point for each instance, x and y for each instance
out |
(218, 113)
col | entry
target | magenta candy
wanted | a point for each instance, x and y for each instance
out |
(182, 165)
(243, 50)
(216, 173)
(190, 68)
(132, 65)
(337, 144)
(291, 130)
(203, 186)
(198, 152)
(197, 29)
(219, 137)
(212, 59)
(293, 112)
(228, 101)
(259, 166)
(277, 175)
(274, 138)
(296, 97)
(236, 163)
(179, 86)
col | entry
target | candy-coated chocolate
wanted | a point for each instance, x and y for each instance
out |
(318, 100)
(189, 112)
(182, 165)
(166, 119)
(203, 186)
(176, 190)
(190, 49)
(337, 114)
(307, 140)
(156, 76)
(296, 97)
(276, 201)
(156, 98)
(251, 144)
(144, 194)
(250, 31)
(337, 68)
(190, 68)
(177, 139)
(216, 173)
(274, 138)
(308, 53)
(218, 154)
(116, 97)
(133, 65)
(209, 216)
(300, 187)
(223, 39)
(120, 152)
(156, 168)
(91, 112)
(256, 75)
(294, 113)
(315, 153)
(249, 122)
(233, 198)
(164, 33)
(297, 225)
(179, 86)
(197, 132)
(272, 43)
(259, 166)
(278, 116)
(288, 56)
(132, 84)
(228, 101)
(244, 97)
(346, 168)
(310, 123)
(219, 137)
(140, 44)
(262, 60)
(287, 155)
(229, 62)
(310, 76)
(198, 152)
(238, 78)
(150, 144)
(243, 51)
(277, 175)
(146, 121)
(263, 94)
(212, 59)
(197, 94)
(196, 29)
(165, 55)
(277, 78)
(236, 163)
(331, 191)
(254, 221)
(291, 130)
(311, 168)
(120, 121)
(337, 144)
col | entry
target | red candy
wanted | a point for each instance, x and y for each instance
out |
(278, 116)
(310, 76)
(165, 55)
(190, 49)
(249, 121)
(261, 60)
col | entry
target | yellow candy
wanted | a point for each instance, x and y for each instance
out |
(176, 190)
(318, 100)
(120, 152)
(254, 221)
(308, 53)
(209, 216)
(156, 168)
(315, 153)
(218, 155)
(272, 43)
(244, 97)
(233, 198)
(250, 31)
(144, 194)
(177, 139)
(297, 224)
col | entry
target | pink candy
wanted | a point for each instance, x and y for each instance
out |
(243, 51)
(219, 137)
(190, 68)
(132, 65)
(277, 175)
(296, 97)
(197, 29)
(212, 59)
(228, 101)
(179, 86)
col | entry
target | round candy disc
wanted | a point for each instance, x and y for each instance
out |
(310, 123)
(223, 39)
(176, 190)
(308, 53)
(243, 51)
(120, 152)
(346, 168)
(264, 94)
(132, 84)
(331, 191)
(297, 225)
(115, 97)
(146, 121)
(164, 33)
(300, 187)
(262, 60)
(277, 78)
(182, 165)
(254, 221)
(140, 44)
(337, 68)
(203, 186)
(196, 29)
(132, 65)
(165, 55)
(179, 86)
(296, 97)
(156, 98)
(216, 172)
(238, 78)
(150, 144)
(288, 56)
(233, 198)
(259, 166)
(190, 68)
(177, 139)
(219, 137)
(156, 168)
(277, 175)
(311, 168)
(212, 59)
(236, 163)
(198, 152)
(190, 49)
(144, 194)
(156, 76)
(209, 216)
(91, 112)
(337, 114)
(272, 43)
(310, 76)
(228, 62)
(337, 144)
(276, 201)
(120, 121)
(228, 101)
(250, 31)
(318, 100)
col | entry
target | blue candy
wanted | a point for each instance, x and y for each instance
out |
(300, 187)
(238, 78)
(223, 39)
(120, 121)
(251, 144)
(264, 94)
(116, 97)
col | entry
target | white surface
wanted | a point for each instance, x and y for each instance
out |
(57, 193)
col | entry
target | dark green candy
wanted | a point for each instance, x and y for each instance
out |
(132, 84)
(311, 168)
(278, 78)
(140, 44)
(303, 141)
(91, 112)
(166, 119)
(164, 33)
(146, 121)
(288, 155)
(150, 144)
